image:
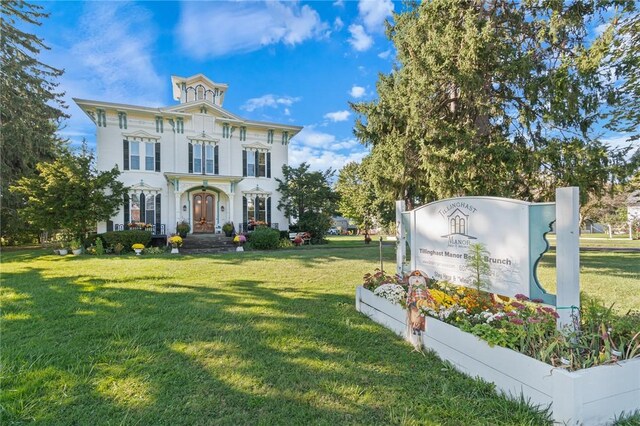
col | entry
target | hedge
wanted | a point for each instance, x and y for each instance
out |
(126, 238)
(264, 238)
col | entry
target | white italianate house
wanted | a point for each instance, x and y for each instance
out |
(193, 162)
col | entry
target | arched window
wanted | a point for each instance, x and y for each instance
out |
(200, 91)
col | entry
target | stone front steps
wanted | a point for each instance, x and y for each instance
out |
(207, 243)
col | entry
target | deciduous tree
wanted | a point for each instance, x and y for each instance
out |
(308, 198)
(69, 194)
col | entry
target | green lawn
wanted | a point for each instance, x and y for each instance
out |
(242, 338)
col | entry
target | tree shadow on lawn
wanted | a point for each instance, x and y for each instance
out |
(244, 353)
(622, 265)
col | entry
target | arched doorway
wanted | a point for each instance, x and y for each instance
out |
(203, 213)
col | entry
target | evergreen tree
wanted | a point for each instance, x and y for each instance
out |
(31, 108)
(492, 98)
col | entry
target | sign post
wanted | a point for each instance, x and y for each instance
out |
(568, 256)
(401, 238)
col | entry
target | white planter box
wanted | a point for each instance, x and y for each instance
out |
(586, 397)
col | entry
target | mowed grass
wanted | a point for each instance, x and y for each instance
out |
(248, 338)
(612, 277)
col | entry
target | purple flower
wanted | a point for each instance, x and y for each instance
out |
(521, 297)
(517, 321)
(537, 300)
(517, 305)
(532, 320)
(511, 314)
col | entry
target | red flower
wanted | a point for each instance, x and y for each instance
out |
(517, 321)
(521, 297)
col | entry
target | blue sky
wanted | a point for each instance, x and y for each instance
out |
(290, 62)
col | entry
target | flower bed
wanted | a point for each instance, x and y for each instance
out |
(588, 396)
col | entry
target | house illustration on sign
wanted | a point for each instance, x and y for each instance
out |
(458, 224)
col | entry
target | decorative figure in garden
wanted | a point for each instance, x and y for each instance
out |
(417, 292)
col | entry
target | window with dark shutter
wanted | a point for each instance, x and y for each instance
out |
(255, 168)
(244, 163)
(143, 208)
(269, 210)
(190, 158)
(125, 154)
(216, 160)
(268, 164)
(158, 217)
(157, 156)
(245, 219)
(126, 210)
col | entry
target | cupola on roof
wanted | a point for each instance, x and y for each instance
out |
(198, 87)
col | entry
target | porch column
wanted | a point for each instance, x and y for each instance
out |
(232, 198)
(178, 205)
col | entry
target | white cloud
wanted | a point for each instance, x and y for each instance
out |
(220, 28)
(310, 137)
(357, 92)
(269, 101)
(113, 56)
(385, 54)
(287, 112)
(322, 150)
(338, 3)
(374, 13)
(338, 24)
(109, 57)
(319, 159)
(360, 40)
(337, 116)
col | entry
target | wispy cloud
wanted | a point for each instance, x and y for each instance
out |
(337, 116)
(338, 24)
(269, 101)
(109, 57)
(359, 40)
(113, 55)
(323, 150)
(357, 92)
(374, 13)
(220, 28)
(385, 54)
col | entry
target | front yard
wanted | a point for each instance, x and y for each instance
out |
(250, 338)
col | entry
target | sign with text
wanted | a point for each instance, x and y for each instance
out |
(442, 232)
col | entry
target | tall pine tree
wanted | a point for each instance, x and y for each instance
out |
(493, 98)
(31, 108)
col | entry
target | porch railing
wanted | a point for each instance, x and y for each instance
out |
(155, 229)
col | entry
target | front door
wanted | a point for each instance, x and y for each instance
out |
(203, 213)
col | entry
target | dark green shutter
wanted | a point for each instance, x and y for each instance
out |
(143, 207)
(157, 156)
(245, 219)
(268, 164)
(203, 162)
(269, 210)
(158, 218)
(256, 168)
(190, 158)
(216, 161)
(125, 154)
(244, 163)
(126, 210)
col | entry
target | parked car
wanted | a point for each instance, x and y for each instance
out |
(333, 231)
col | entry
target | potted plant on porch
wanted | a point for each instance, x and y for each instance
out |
(228, 229)
(183, 229)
